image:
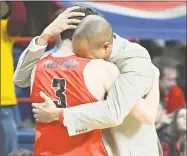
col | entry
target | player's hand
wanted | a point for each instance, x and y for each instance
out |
(47, 111)
(60, 24)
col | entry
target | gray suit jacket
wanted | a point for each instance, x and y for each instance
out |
(128, 136)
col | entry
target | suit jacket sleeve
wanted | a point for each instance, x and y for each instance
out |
(27, 61)
(134, 82)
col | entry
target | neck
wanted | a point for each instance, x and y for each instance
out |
(58, 41)
(65, 49)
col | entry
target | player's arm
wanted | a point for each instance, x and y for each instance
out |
(145, 110)
(109, 74)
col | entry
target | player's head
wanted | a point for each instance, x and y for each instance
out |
(21, 152)
(93, 38)
(88, 11)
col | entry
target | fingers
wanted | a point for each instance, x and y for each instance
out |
(44, 96)
(73, 21)
(71, 27)
(38, 105)
(71, 9)
(34, 110)
(39, 119)
(36, 116)
(75, 14)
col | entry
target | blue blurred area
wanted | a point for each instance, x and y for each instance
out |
(139, 27)
(23, 111)
(26, 138)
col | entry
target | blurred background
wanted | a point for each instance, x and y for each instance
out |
(158, 26)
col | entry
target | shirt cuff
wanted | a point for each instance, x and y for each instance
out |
(33, 47)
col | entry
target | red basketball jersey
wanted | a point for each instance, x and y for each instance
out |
(62, 80)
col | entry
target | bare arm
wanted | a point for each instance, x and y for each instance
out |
(145, 110)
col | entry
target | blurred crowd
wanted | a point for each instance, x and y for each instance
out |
(28, 19)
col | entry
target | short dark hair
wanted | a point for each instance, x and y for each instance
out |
(163, 62)
(88, 11)
(21, 152)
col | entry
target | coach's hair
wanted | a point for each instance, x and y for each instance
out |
(164, 62)
(21, 152)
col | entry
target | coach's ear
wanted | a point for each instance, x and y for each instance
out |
(107, 48)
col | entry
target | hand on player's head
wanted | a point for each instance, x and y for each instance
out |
(87, 11)
(93, 38)
(63, 22)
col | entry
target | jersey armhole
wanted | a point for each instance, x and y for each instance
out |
(92, 64)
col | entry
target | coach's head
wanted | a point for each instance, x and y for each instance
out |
(93, 38)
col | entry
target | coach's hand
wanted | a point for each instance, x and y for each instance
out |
(63, 22)
(47, 111)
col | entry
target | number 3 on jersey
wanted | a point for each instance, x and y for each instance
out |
(59, 85)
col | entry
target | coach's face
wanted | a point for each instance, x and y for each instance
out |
(83, 49)
(102, 52)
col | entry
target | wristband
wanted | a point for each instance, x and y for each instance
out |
(61, 116)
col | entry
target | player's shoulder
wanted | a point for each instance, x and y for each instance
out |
(101, 64)
(95, 66)
(102, 67)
